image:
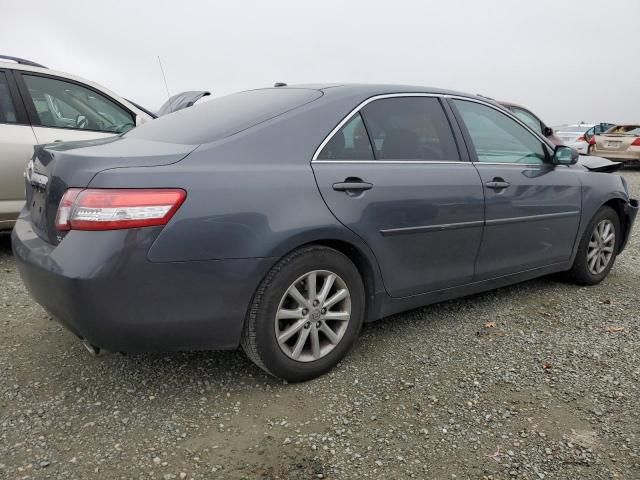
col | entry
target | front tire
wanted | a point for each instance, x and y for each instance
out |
(598, 248)
(305, 315)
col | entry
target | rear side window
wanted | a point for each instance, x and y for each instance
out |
(349, 143)
(224, 116)
(7, 109)
(409, 128)
(528, 119)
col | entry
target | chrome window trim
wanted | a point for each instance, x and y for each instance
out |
(357, 110)
(362, 104)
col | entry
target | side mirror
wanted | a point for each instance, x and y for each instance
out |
(547, 131)
(565, 155)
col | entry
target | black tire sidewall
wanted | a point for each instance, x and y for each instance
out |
(274, 359)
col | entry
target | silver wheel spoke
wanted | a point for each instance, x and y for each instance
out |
(592, 253)
(328, 283)
(608, 248)
(302, 339)
(315, 343)
(287, 314)
(291, 331)
(592, 263)
(297, 296)
(330, 334)
(338, 296)
(336, 316)
(311, 286)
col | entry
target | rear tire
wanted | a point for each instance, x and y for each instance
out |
(598, 249)
(292, 298)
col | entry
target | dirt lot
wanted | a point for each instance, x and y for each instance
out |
(539, 380)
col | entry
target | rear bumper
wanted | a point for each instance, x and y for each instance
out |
(101, 286)
(624, 156)
(630, 211)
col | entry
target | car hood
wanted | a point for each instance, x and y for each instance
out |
(180, 101)
(598, 164)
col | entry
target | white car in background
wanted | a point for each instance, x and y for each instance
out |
(579, 135)
(38, 105)
(573, 136)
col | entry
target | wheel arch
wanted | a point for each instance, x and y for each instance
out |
(360, 255)
(617, 204)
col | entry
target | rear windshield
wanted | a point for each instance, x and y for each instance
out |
(631, 129)
(224, 116)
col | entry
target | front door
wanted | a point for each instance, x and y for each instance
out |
(393, 175)
(532, 208)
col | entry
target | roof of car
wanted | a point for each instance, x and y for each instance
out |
(374, 89)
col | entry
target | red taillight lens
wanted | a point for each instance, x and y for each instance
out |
(64, 208)
(592, 140)
(113, 209)
(581, 139)
(636, 142)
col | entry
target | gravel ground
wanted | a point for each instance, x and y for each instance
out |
(539, 380)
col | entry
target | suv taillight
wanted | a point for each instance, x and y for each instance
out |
(114, 209)
(636, 142)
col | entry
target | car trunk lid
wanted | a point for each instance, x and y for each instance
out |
(56, 167)
(614, 142)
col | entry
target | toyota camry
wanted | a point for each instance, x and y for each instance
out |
(281, 219)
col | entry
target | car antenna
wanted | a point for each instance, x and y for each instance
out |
(279, 84)
(164, 77)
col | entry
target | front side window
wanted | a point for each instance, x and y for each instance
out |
(351, 142)
(7, 109)
(528, 119)
(62, 104)
(498, 138)
(409, 128)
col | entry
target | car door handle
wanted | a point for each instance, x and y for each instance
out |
(497, 184)
(352, 186)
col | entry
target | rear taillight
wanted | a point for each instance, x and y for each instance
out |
(636, 142)
(592, 140)
(581, 139)
(113, 209)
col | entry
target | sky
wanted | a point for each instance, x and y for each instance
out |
(566, 60)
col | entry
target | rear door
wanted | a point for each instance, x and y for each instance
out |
(532, 208)
(393, 174)
(62, 110)
(16, 148)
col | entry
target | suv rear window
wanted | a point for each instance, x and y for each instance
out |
(224, 116)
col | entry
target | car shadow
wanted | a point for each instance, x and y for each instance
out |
(235, 370)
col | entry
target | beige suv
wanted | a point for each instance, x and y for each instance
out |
(38, 105)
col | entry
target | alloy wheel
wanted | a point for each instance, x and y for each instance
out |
(313, 316)
(601, 246)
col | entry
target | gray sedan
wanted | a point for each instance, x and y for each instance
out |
(281, 219)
